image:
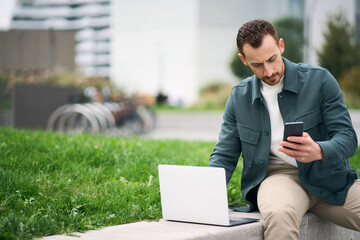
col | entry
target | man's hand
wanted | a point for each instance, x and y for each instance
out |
(303, 149)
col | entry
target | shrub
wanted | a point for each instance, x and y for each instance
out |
(340, 51)
(8, 79)
(214, 95)
(350, 84)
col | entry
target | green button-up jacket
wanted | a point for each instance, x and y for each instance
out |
(311, 95)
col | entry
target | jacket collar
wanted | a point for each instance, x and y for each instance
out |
(290, 81)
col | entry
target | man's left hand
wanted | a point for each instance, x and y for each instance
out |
(303, 149)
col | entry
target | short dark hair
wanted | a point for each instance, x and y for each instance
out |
(253, 33)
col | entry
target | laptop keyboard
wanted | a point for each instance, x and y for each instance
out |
(232, 221)
(241, 220)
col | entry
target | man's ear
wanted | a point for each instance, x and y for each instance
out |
(281, 45)
(242, 59)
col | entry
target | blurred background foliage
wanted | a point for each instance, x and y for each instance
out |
(238, 68)
(292, 31)
(340, 54)
(8, 80)
(213, 95)
(340, 51)
(350, 84)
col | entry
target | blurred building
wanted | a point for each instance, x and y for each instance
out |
(90, 19)
(176, 47)
(173, 47)
(36, 50)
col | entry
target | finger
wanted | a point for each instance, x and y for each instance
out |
(285, 144)
(295, 139)
(289, 150)
(289, 145)
(294, 146)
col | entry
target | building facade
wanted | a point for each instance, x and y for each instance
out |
(37, 50)
(176, 47)
(89, 18)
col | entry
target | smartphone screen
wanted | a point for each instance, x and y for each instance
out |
(293, 129)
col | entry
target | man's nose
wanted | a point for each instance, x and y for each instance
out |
(268, 70)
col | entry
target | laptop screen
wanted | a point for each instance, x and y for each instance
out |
(194, 194)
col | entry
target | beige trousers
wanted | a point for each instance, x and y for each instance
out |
(283, 202)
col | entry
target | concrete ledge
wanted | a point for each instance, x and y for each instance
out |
(312, 227)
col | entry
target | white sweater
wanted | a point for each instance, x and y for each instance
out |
(270, 94)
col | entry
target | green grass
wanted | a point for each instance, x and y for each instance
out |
(56, 183)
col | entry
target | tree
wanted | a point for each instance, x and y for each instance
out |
(291, 30)
(350, 85)
(340, 51)
(238, 67)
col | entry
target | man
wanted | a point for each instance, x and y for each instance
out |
(285, 179)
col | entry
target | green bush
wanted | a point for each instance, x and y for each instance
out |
(340, 51)
(238, 68)
(350, 84)
(213, 96)
(9, 79)
(292, 31)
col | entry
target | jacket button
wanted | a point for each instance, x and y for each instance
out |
(266, 133)
(261, 160)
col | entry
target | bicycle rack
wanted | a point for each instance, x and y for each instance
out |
(109, 118)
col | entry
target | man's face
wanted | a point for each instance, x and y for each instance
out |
(266, 61)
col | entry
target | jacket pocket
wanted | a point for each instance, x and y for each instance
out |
(329, 177)
(311, 119)
(249, 139)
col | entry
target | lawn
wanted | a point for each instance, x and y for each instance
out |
(58, 183)
(54, 183)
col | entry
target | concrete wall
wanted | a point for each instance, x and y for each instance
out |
(32, 105)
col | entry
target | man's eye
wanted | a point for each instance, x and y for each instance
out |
(272, 59)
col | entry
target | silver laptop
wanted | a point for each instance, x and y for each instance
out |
(196, 194)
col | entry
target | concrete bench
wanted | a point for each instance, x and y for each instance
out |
(312, 227)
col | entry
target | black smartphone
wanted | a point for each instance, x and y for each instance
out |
(293, 129)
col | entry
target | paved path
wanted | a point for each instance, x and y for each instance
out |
(188, 126)
(203, 126)
(355, 117)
